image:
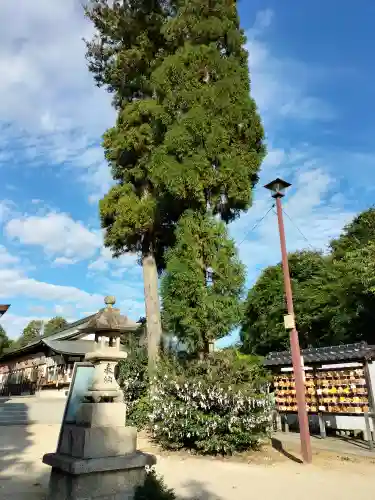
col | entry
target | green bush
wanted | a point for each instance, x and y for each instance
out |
(218, 406)
(133, 379)
(154, 488)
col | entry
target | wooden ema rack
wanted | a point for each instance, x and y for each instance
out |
(341, 391)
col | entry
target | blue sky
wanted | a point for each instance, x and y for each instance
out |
(312, 77)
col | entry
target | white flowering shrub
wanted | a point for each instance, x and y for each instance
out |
(196, 407)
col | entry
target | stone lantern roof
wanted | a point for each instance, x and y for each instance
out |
(109, 321)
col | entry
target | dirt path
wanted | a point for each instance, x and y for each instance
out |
(270, 475)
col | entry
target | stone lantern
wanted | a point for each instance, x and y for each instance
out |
(107, 325)
(97, 457)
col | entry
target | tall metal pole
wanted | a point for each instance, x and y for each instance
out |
(294, 346)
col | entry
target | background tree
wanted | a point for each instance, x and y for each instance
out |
(355, 235)
(202, 286)
(30, 333)
(5, 341)
(263, 324)
(126, 47)
(353, 257)
(334, 295)
(54, 325)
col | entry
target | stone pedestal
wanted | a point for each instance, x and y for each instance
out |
(97, 457)
(109, 478)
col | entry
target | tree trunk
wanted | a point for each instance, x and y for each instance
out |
(153, 319)
(208, 348)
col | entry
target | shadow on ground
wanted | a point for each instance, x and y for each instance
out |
(156, 489)
(14, 458)
(23, 477)
(278, 446)
(358, 443)
(197, 491)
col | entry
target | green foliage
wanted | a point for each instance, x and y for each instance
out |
(333, 295)
(133, 378)
(54, 325)
(187, 136)
(137, 217)
(194, 406)
(125, 49)
(154, 488)
(214, 406)
(126, 45)
(357, 234)
(212, 147)
(227, 367)
(5, 341)
(263, 325)
(203, 283)
(187, 131)
(354, 250)
(30, 333)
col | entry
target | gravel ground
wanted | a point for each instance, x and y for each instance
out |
(267, 475)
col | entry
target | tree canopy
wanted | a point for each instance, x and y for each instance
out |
(127, 46)
(203, 283)
(30, 333)
(5, 341)
(54, 325)
(212, 147)
(333, 294)
(355, 235)
(187, 134)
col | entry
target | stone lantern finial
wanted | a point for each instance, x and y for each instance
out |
(110, 301)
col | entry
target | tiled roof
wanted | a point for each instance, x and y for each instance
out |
(346, 352)
(67, 332)
(3, 309)
(74, 348)
(59, 339)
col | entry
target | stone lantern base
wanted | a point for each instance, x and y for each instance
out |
(97, 457)
(106, 478)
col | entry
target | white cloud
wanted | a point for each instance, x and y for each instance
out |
(263, 20)
(57, 233)
(67, 301)
(311, 208)
(284, 91)
(14, 323)
(66, 311)
(117, 266)
(282, 86)
(6, 258)
(37, 309)
(64, 261)
(6, 207)
(16, 284)
(100, 180)
(45, 81)
(49, 97)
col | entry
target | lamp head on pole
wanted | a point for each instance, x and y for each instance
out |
(277, 187)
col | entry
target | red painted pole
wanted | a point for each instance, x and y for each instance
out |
(294, 346)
